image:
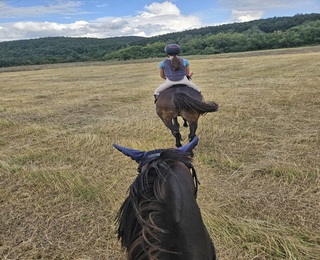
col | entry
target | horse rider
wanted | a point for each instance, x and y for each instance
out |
(174, 70)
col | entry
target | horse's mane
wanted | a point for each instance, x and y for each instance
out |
(142, 212)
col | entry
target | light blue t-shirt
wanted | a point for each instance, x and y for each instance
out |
(186, 63)
(174, 75)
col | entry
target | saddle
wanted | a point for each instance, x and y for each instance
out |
(173, 86)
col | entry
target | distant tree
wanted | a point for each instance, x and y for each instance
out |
(271, 33)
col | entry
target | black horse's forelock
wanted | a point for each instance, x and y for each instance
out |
(142, 213)
(148, 157)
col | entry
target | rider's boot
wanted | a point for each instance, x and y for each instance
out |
(155, 97)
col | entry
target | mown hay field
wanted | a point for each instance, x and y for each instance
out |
(62, 182)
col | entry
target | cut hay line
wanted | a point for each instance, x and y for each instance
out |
(61, 182)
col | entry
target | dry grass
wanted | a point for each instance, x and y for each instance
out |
(61, 182)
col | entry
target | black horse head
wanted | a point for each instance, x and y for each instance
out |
(144, 157)
(160, 218)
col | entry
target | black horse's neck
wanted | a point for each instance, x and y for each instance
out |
(143, 221)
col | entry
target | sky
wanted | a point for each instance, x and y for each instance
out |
(29, 19)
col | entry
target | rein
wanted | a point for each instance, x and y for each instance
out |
(195, 179)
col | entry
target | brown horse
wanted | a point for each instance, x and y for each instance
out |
(180, 100)
(160, 218)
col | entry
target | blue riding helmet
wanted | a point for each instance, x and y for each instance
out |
(172, 49)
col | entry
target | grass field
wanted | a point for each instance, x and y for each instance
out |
(62, 183)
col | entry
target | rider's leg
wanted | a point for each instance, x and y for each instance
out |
(189, 84)
(162, 88)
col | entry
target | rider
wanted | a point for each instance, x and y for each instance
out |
(174, 70)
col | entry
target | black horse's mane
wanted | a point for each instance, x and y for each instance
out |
(141, 216)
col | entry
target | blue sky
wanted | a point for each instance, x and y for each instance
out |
(25, 19)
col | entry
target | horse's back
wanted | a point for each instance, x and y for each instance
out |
(180, 88)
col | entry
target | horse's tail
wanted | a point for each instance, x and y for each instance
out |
(184, 102)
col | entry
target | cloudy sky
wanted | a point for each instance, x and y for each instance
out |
(25, 19)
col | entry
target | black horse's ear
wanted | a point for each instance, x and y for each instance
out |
(135, 155)
(189, 147)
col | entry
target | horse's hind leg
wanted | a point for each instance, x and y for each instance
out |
(185, 123)
(176, 132)
(193, 128)
(173, 125)
(176, 123)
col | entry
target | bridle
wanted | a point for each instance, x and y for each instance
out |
(195, 179)
(156, 154)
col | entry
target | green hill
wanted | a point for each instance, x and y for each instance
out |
(271, 33)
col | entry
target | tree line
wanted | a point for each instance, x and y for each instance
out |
(271, 33)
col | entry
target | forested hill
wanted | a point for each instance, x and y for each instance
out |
(271, 33)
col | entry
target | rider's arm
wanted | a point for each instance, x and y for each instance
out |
(162, 74)
(161, 66)
(187, 65)
(188, 72)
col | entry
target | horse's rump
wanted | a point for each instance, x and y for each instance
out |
(185, 102)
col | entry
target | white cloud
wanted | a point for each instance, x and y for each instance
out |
(27, 30)
(155, 19)
(254, 5)
(158, 9)
(247, 10)
(245, 16)
(58, 7)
